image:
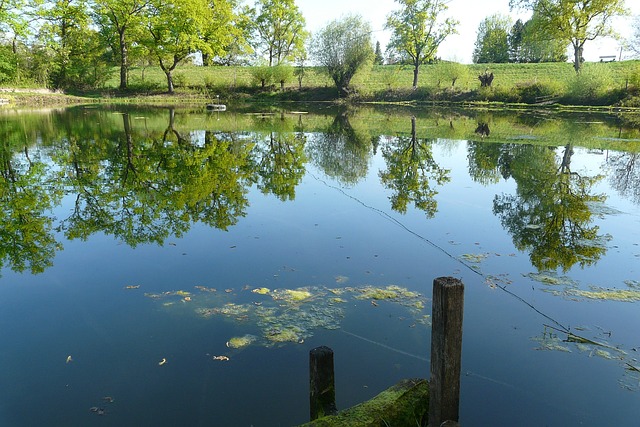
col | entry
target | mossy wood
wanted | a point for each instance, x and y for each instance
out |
(404, 404)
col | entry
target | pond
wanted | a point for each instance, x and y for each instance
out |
(166, 267)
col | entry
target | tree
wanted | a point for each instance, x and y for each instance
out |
(227, 35)
(492, 42)
(634, 42)
(343, 47)
(124, 19)
(174, 32)
(515, 41)
(576, 21)
(280, 29)
(417, 30)
(379, 59)
(536, 47)
(67, 33)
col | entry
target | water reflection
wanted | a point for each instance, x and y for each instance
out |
(410, 170)
(550, 215)
(142, 176)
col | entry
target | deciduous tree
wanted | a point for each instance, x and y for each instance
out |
(492, 44)
(280, 29)
(123, 19)
(418, 29)
(343, 47)
(175, 29)
(576, 21)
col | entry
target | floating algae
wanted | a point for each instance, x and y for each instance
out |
(551, 279)
(474, 258)
(293, 315)
(551, 342)
(620, 295)
(243, 341)
(292, 295)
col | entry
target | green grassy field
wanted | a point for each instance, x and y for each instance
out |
(612, 83)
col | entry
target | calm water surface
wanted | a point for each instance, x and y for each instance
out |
(133, 237)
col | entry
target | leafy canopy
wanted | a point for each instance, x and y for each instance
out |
(417, 30)
(343, 47)
(576, 21)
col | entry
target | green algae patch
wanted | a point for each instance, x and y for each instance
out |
(474, 258)
(240, 342)
(551, 279)
(597, 293)
(404, 404)
(284, 335)
(391, 292)
(297, 295)
(284, 316)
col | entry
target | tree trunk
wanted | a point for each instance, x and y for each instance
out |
(416, 69)
(169, 81)
(124, 60)
(577, 56)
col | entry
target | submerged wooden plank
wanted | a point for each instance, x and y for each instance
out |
(404, 404)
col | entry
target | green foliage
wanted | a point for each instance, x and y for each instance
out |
(574, 21)
(174, 32)
(379, 58)
(492, 45)
(262, 75)
(590, 85)
(418, 30)
(282, 74)
(279, 29)
(538, 91)
(7, 64)
(448, 73)
(343, 47)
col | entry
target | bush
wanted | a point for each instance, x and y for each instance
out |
(537, 91)
(179, 80)
(262, 75)
(281, 74)
(590, 85)
(448, 73)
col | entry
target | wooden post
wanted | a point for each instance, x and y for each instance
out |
(446, 350)
(322, 391)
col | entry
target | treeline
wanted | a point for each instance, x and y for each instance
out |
(498, 41)
(74, 44)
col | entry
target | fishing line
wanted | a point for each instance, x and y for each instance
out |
(415, 356)
(438, 247)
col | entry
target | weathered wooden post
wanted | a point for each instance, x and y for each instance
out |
(446, 350)
(322, 391)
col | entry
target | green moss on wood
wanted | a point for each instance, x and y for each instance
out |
(404, 404)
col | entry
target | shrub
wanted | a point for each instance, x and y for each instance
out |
(536, 91)
(281, 74)
(590, 85)
(179, 80)
(448, 73)
(262, 75)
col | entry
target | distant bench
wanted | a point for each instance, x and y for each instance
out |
(607, 58)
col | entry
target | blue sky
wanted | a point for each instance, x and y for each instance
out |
(469, 12)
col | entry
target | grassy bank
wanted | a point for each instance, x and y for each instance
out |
(599, 84)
